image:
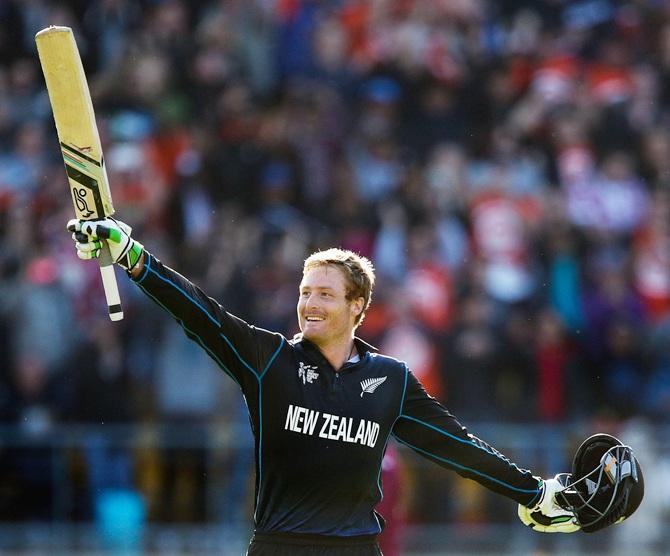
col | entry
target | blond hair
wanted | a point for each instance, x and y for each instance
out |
(358, 271)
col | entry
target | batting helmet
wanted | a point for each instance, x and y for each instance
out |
(606, 484)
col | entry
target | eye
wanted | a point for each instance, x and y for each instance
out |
(326, 294)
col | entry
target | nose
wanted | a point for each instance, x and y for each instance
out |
(311, 301)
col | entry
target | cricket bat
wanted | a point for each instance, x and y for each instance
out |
(79, 141)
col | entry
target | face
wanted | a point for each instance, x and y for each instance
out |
(325, 315)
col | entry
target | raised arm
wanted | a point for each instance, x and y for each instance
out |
(243, 351)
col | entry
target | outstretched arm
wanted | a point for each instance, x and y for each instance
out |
(427, 427)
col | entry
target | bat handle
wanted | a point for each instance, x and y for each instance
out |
(109, 284)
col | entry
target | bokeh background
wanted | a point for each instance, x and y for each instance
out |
(505, 164)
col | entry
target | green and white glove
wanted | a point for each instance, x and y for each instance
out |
(89, 235)
(547, 516)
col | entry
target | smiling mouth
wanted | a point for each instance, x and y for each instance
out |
(314, 319)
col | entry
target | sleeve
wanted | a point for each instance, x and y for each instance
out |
(243, 351)
(427, 427)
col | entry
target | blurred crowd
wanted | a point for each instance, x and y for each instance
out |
(506, 166)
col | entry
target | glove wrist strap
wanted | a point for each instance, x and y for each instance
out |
(131, 258)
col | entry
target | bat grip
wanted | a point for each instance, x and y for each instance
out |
(109, 284)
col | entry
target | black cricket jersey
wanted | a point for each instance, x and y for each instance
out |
(320, 434)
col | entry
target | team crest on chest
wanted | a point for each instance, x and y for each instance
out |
(369, 385)
(307, 373)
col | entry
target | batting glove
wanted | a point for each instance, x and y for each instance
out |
(89, 234)
(547, 516)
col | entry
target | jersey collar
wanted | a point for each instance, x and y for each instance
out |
(362, 347)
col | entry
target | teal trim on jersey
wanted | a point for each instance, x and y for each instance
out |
(199, 339)
(379, 473)
(186, 295)
(260, 421)
(379, 479)
(232, 347)
(374, 513)
(272, 359)
(404, 391)
(260, 446)
(210, 317)
(402, 399)
(465, 468)
(536, 498)
(452, 436)
(258, 376)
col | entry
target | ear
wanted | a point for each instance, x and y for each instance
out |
(357, 306)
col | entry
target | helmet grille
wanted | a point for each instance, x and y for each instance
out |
(605, 485)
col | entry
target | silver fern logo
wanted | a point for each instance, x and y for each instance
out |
(369, 385)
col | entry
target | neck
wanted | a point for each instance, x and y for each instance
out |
(338, 354)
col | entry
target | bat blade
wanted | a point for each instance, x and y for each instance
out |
(79, 139)
(75, 122)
